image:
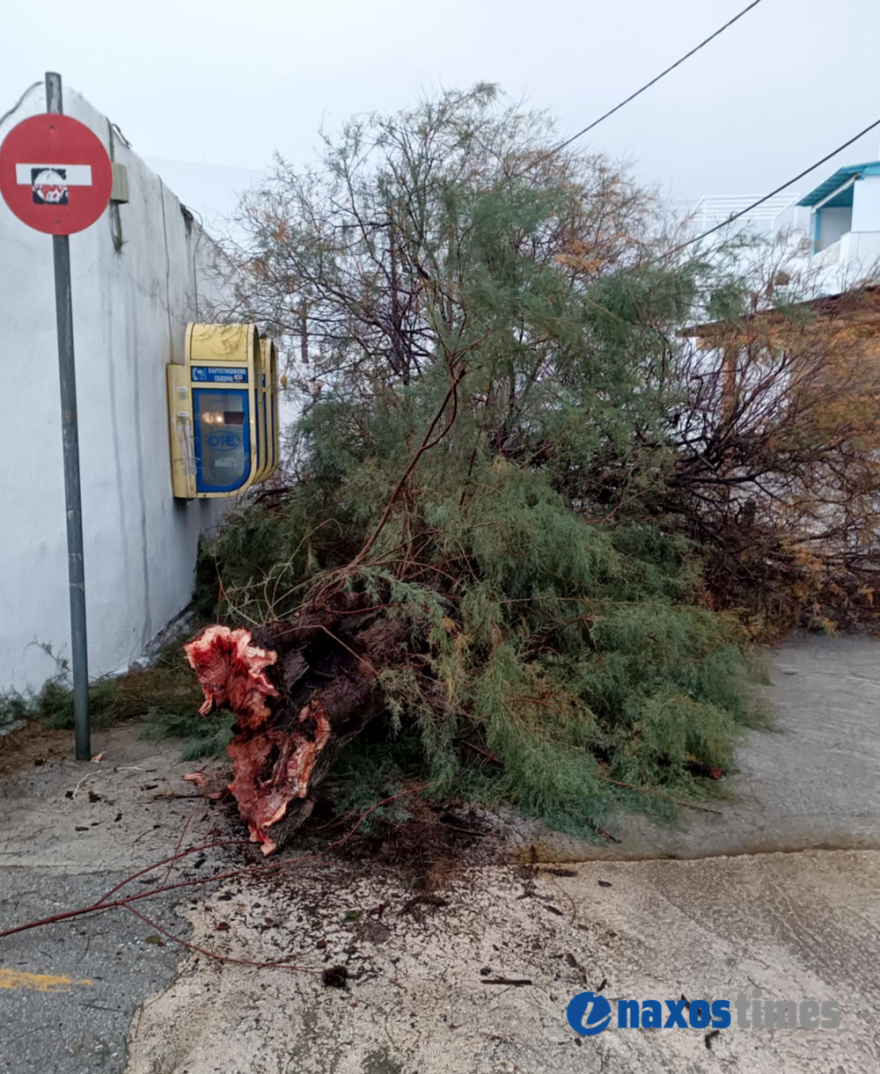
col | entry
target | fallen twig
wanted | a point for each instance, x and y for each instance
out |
(425, 900)
(179, 844)
(81, 782)
(485, 753)
(248, 870)
(668, 797)
(213, 954)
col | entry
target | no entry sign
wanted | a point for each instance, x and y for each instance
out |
(55, 174)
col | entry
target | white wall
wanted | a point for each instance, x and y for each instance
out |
(130, 311)
(860, 253)
(832, 224)
(866, 204)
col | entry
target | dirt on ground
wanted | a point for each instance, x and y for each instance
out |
(125, 808)
(31, 746)
(474, 978)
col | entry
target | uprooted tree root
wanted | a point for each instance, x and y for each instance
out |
(300, 691)
(426, 847)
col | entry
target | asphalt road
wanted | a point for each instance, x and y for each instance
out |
(68, 833)
(68, 992)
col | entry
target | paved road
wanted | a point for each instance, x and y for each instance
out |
(68, 833)
(68, 992)
(804, 922)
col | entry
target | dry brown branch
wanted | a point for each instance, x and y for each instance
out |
(261, 869)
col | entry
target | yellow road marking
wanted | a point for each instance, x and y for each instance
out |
(38, 982)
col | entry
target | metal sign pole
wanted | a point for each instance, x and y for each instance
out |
(70, 438)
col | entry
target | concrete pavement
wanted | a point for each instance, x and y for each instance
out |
(417, 991)
(479, 982)
(68, 833)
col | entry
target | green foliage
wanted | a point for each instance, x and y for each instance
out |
(13, 707)
(165, 689)
(205, 736)
(257, 566)
(165, 696)
(53, 704)
(571, 653)
(378, 764)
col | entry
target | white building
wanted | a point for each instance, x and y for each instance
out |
(844, 223)
(139, 275)
(836, 225)
(713, 210)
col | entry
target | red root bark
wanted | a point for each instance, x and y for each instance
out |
(300, 691)
(287, 759)
(230, 672)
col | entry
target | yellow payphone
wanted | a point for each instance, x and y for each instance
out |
(224, 432)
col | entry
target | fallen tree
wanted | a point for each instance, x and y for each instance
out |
(463, 544)
(533, 658)
(508, 474)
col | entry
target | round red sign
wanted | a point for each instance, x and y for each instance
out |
(55, 174)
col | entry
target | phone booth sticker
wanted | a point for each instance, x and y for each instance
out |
(222, 439)
(220, 374)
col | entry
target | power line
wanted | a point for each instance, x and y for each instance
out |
(662, 74)
(778, 190)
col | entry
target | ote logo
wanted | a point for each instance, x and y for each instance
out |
(588, 1014)
(224, 441)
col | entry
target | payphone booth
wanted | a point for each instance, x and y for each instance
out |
(220, 401)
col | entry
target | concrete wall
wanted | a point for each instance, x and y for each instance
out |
(832, 224)
(130, 310)
(860, 253)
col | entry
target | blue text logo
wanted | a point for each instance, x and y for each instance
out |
(589, 1014)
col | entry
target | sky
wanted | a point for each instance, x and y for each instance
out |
(224, 85)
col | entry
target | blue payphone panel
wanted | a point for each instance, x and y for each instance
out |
(222, 439)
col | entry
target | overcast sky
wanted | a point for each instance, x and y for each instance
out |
(229, 83)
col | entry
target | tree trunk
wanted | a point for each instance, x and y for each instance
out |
(300, 690)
